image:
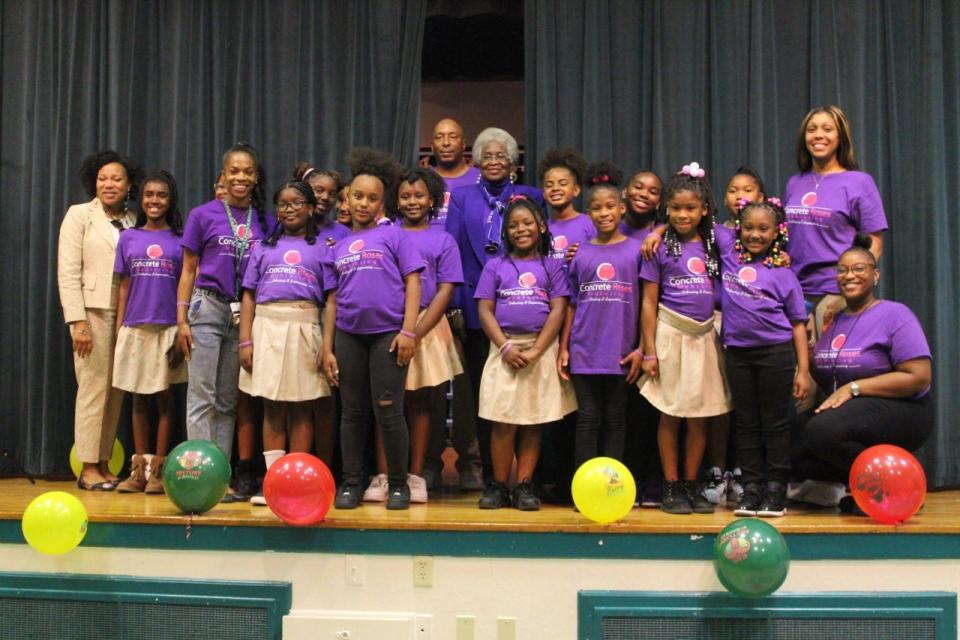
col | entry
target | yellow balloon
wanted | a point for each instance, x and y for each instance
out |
(115, 464)
(54, 522)
(604, 490)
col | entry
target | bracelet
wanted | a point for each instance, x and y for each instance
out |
(181, 303)
(639, 352)
(246, 343)
(408, 334)
(505, 348)
(648, 358)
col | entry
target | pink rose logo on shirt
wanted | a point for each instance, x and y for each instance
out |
(154, 251)
(837, 343)
(809, 199)
(355, 246)
(527, 280)
(292, 257)
(747, 274)
(606, 271)
(241, 231)
(696, 266)
(560, 243)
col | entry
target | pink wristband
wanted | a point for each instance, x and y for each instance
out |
(246, 343)
(408, 334)
(648, 358)
(505, 348)
(181, 303)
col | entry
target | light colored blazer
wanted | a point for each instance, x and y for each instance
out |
(85, 260)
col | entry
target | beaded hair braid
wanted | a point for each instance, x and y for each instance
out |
(774, 257)
(692, 178)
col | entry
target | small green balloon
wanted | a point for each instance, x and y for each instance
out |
(195, 475)
(751, 558)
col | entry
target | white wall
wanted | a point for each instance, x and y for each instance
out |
(540, 594)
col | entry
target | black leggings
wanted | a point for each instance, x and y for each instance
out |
(601, 416)
(371, 379)
(761, 382)
(832, 440)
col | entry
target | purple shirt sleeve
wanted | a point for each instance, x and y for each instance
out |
(794, 306)
(907, 341)
(251, 277)
(449, 267)
(487, 284)
(192, 237)
(120, 262)
(726, 238)
(650, 271)
(559, 285)
(408, 258)
(868, 207)
(329, 270)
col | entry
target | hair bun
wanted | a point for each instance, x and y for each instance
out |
(604, 172)
(862, 241)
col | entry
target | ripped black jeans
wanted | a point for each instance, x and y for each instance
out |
(371, 379)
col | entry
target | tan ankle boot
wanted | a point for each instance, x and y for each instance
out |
(138, 476)
(155, 483)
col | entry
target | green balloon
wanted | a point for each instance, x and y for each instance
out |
(195, 475)
(751, 558)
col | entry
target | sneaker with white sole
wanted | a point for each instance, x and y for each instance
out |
(715, 486)
(734, 480)
(824, 494)
(258, 500)
(418, 489)
(377, 491)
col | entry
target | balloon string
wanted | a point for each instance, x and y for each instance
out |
(189, 525)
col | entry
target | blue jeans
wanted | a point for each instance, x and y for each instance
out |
(214, 371)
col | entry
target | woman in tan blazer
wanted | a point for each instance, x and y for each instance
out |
(88, 294)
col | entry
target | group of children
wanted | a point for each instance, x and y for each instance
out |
(581, 309)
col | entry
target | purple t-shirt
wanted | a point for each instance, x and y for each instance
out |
(152, 260)
(209, 235)
(824, 221)
(441, 260)
(367, 269)
(521, 290)
(869, 344)
(332, 232)
(636, 234)
(685, 285)
(470, 177)
(760, 304)
(289, 270)
(579, 228)
(605, 289)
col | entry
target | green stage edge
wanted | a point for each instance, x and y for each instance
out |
(887, 546)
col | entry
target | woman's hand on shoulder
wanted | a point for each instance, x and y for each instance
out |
(650, 245)
(82, 338)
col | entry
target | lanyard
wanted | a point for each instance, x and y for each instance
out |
(239, 245)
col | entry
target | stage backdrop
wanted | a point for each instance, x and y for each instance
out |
(171, 83)
(660, 83)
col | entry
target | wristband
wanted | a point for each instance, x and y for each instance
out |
(639, 352)
(246, 343)
(408, 334)
(648, 358)
(181, 303)
(505, 348)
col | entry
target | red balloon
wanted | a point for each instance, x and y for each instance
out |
(888, 483)
(299, 489)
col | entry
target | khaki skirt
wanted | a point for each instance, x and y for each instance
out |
(533, 395)
(286, 340)
(140, 359)
(691, 383)
(436, 360)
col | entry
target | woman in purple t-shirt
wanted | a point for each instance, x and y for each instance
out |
(149, 259)
(372, 284)
(874, 363)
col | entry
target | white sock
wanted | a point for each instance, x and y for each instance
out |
(272, 456)
(149, 458)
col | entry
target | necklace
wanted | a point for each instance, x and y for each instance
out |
(818, 180)
(833, 335)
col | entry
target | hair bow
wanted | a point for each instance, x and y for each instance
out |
(693, 170)
(742, 203)
(601, 178)
(775, 201)
(518, 196)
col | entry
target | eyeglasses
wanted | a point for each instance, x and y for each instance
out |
(490, 157)
(858, 269)
(291, 206)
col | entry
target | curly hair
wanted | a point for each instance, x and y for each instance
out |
(91, 165)
(174, 216)
(436, 188)
(564, 157)
(365, 161)
(604, 176)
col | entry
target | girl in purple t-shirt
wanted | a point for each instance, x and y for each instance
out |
(682, 362)
(605, 292)
(149, 260)
(521, 300)
(326, 184)
(561, 174)
(280, 328)
(372, 284)
(766, 350)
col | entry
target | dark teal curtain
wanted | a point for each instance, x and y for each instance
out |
(658, 83)
(172, 83)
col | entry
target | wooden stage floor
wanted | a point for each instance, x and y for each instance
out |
(453, 511)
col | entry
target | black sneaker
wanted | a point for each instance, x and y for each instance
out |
(247, 485)
(650, 494)
(495, 496)
(774, 503)
(525, 497)
(698, 501)
(398, 496)
(848, 505)
(749, 501)
(674, 499)
(348, 496)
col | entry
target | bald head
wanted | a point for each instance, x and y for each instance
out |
(448, 147)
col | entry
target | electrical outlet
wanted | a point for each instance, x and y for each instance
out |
(465, 627)
(506, 629)
(423, 571)
(355, 570)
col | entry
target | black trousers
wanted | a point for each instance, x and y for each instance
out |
(601, 416)
(761, 382)
(830, 441)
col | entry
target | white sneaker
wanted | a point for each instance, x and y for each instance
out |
(418, 489)
(734, 486)
(377, 491)
(715, 486)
